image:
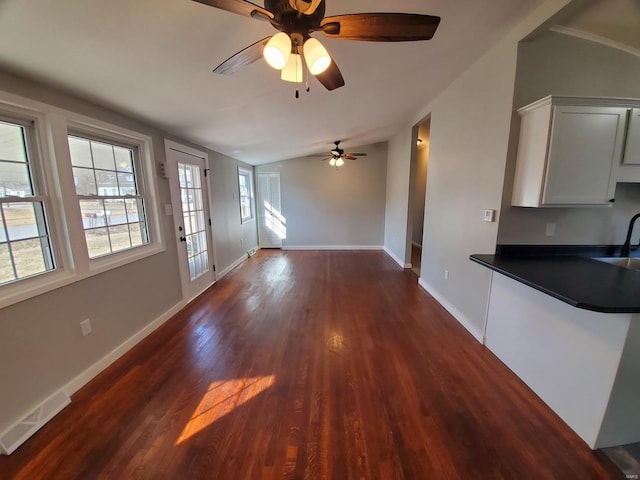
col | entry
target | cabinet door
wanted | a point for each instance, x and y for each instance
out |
(585, 149)
(632, 147)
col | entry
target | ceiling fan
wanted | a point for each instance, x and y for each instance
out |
(293, 46)
(337, 155)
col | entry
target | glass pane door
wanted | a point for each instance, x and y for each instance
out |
(193, 213)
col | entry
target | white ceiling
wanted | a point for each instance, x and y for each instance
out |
(152, 59)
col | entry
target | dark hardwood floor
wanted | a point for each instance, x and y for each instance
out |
(315, 365)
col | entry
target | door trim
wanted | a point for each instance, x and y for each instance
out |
(176, 209)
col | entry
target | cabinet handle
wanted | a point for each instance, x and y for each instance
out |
(613, 200)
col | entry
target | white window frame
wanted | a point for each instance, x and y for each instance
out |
(52, 126)
(248, 174)
(138, 171)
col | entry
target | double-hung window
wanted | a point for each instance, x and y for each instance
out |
(77, 197)
(25, 243)
(246, 194)
(109, 190)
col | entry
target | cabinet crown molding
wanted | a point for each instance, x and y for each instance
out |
(581, 101)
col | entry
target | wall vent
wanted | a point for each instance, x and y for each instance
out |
(19, 433)
(252, 252)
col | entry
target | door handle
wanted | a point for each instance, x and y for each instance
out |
(183, 239)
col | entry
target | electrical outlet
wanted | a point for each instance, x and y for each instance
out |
(446, 274)
(550, 230)
(85, 327)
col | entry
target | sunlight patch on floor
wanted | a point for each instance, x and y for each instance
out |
(221, 398)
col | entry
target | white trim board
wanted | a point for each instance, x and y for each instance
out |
(95, 369)
(396, 259)
(452, 310)
(332, 247)
(48, 410)
(235, 264)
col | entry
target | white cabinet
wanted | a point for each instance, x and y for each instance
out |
(632, 146)
(568, 153)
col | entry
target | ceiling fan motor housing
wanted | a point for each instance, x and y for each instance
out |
(291, 21)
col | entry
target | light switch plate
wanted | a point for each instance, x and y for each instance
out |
(489, 215)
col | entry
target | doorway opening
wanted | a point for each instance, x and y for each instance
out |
(418, 193)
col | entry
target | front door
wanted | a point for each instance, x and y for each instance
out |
(187, 170)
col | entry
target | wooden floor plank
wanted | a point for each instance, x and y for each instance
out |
(308, 365)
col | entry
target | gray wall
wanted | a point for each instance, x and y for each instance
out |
(562, 65)
(232, 237)
(397, 201)
(325, 206)
(470, 123)
(41, 347)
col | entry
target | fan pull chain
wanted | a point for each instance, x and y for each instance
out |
(306, 73)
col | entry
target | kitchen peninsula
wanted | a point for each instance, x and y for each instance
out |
(569, 327)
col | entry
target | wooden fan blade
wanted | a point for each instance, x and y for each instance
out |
(241, 7)
(348, 156)
(331, 78)
(381, 27)
(244, 57)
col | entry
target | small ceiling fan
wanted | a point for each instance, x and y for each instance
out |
(337, 155)
(293, 47)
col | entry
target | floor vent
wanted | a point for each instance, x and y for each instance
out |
(252, 252)
(30, 424)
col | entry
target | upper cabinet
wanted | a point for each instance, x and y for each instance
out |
(569, 151)
(632, 145)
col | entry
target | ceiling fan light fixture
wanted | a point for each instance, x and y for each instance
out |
(277, 51)
(332, 162)
(339, 162)
(316, 56)
(292, 71)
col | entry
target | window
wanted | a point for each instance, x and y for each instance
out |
(246, 194)
(77, 197)
(109, 193)
(25, 244)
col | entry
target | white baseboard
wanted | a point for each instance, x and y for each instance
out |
(332, 247)
(91, 372)
(238, 262)
(452, 310)
(396, 259)
(32, 421)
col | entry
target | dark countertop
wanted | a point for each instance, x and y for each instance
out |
(578, 281)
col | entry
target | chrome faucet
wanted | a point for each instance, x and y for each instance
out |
(626, 248)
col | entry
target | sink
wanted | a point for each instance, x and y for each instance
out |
(626, 262)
